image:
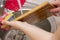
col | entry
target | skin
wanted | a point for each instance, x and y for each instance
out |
(34, 32)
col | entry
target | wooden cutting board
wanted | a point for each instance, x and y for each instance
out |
(35, 15)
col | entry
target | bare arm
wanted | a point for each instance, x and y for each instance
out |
(32, 31)
(57, 9)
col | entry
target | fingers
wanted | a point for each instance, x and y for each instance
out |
(11, 23)
(56, 3)
(55, 10)
(7, 23)
(15, 24)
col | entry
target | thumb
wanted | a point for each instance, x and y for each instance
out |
(13, 24)
(7, 23)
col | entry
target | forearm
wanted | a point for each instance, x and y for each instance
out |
(57, 33)
(35, 33)
(32, 31)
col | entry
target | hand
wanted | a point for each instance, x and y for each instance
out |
(57, 9)
(56, 3)
(14, 24)
(32, 31)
